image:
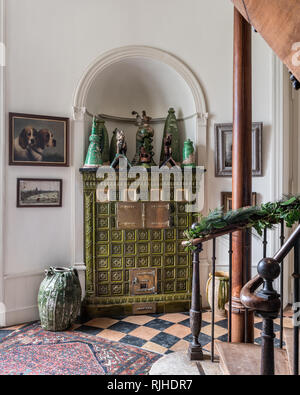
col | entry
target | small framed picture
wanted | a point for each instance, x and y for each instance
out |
(34, 192)
(226, 200)
(36, 140)
(223, 149)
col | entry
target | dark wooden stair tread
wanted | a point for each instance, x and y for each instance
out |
(245, 359)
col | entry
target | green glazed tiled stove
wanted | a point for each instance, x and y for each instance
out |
(110, 253)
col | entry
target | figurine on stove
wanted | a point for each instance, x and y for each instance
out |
(121, 150)
(144, 138)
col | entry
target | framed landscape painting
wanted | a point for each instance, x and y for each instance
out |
(39, 192)
(223, 149)
(36, 140)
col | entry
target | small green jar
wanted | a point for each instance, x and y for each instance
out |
(188, 154)
(59, 299)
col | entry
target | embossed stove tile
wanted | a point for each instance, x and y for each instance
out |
(178, 330)
(144, 333)
(155, 348)
(102, 322)
(138, 319)
(173, 317)
(111, 335)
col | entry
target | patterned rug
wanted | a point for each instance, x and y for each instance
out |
(34, 351)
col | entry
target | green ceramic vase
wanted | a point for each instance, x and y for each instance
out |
(188, 154)
(171, 127)
(104, 142)
(59, 299)
(94, 157)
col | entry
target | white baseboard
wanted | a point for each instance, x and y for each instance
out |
(21, 315)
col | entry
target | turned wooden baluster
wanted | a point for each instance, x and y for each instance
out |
(268, 269)
(195, 349)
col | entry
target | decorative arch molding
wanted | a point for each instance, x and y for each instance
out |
(80, 122)
(134, 52)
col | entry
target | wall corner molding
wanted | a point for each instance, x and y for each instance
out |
(79, 113)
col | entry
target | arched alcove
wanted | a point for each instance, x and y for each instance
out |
(134, 78)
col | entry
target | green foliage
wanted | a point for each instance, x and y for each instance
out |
(262, 217)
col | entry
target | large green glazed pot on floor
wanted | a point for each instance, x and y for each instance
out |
(59, 299)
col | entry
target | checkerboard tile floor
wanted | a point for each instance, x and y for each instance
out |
(160, 333)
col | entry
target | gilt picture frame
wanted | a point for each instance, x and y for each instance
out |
(39, 192)
(223, 149)
(37, 140)
(226, 200)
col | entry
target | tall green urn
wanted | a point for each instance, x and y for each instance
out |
(59, 299)
(104, 142)
(94, 156)
(171, 127)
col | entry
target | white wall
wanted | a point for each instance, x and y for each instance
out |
(49, 45)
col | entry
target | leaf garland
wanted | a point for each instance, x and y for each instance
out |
(258, 217)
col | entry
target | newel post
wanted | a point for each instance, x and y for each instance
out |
(195, 349)
(269, 270)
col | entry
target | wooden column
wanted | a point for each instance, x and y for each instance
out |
(241, 173)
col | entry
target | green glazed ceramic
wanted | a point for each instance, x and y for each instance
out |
(171, 127)
(59, 299)
(188, 154)
(104, 142)
(94, 156)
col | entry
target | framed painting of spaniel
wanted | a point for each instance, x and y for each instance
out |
(36, 140)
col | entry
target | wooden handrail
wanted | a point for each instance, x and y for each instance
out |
(264, 303)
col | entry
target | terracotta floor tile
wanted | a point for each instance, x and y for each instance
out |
(208, 348)
(206, 316)
(178, 330)
(257, 333)
(102, 322)
(14, 328)
(74, 327)
(219, 331)
(154, 347)
(144, 332)
(139, 319)
(182, 345)
(111, 335)
(173, 317)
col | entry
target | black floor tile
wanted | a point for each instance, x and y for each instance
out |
(159, 324)
(89, 330)
(223, 338)
(165, 340)
(124, 327)
(258, 325)
(223, 323)
(203, 339)
(133, 341)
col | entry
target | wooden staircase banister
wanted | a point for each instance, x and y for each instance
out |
(278, 23)
(268, 269)
(266, 302)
